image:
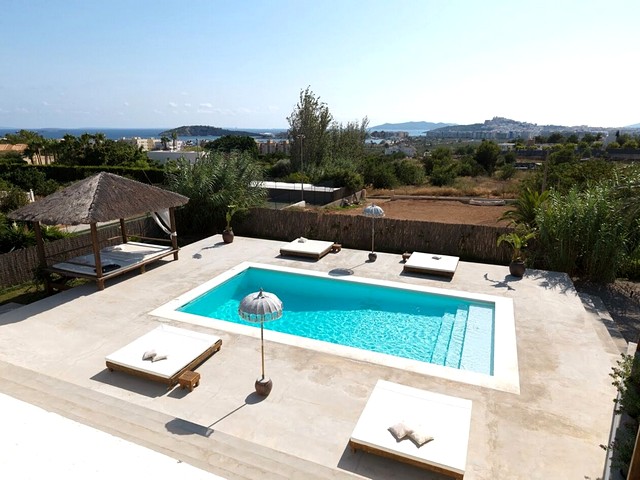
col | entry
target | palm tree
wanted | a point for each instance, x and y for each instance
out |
(525, 208)
(217, 184)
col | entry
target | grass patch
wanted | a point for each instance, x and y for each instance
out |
(23, 294)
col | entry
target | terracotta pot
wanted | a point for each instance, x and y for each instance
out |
(227, 236)
(517, 268)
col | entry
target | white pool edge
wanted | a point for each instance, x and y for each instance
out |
(505, 355)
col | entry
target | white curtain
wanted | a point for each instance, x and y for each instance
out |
(163, 220)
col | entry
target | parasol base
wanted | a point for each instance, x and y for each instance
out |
(373, 256)
(264, 386)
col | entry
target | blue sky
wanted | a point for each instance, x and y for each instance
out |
(86, 63)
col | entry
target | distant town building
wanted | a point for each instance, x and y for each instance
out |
(273, 146)
(145, 143)
(408, 150)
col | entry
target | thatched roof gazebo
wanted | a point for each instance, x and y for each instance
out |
(103, 197)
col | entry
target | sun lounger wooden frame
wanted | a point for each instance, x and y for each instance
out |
(290, 250)
(173, 380)
(442, 272)
(73, 269)
(390, 402)
(114, 364)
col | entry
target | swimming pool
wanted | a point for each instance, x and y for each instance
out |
(396, 324)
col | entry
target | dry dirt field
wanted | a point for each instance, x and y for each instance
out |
(441, 211)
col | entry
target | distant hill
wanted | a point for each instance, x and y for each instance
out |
(205, 131)
(636, 125)
(424, 126)
(500, 128)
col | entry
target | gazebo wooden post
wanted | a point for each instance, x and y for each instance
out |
(123, 231)
(41, 257)
(172, 227)
(96, 255)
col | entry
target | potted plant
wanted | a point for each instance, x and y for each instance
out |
(518, 241)
(227, 233)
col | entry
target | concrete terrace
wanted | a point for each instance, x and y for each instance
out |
(52, 355)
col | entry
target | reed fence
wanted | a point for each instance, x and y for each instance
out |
(469, 242)
(20, 266)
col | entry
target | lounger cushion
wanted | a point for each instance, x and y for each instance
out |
(399, 430)
(419, 436)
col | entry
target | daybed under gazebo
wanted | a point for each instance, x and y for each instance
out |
(103, 197)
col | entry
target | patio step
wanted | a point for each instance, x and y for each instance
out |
(210, 450)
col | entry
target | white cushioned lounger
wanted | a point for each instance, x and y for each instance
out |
(302, 247)
(184, 349)
(447, 419)
(121, 256)
(430, 263)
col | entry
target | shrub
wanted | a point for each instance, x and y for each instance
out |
(409, 172)
(583, 233)
(280, 169)
(444, 173)
(12, 199)
(347, 178)
(380, 173)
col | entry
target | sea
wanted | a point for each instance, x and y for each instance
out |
(118, 133)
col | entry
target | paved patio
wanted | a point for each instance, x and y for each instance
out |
(52, 354)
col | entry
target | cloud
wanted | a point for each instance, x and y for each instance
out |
(173, 104)
(187, 104)
(184, 94)
(21, 110)
(126, 104)
(206, 105)
(45, 103)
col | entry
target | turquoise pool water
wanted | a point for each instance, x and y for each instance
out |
(438, 329)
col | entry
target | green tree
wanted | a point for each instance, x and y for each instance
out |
(565, 154)
(308, 131)
(229, 143)
(555, 137)
(487, 155)
(348, 141)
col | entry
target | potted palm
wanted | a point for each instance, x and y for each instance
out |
(518, 241)
(227, 233)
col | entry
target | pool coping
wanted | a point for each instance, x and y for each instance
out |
(505, 357)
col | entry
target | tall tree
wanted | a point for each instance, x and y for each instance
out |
(308, 124)
(487, 155)
(229, 143)
(348, 141)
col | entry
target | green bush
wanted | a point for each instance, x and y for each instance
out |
(13, 198)
(583, 233)
(380, 173)
(343, 177)
(280, 169)
(444, 173)
(409, 172)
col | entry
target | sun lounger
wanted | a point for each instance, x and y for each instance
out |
(302, 247)
(184, 350)
(432, 264)
(447, 419)
(125, 256)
